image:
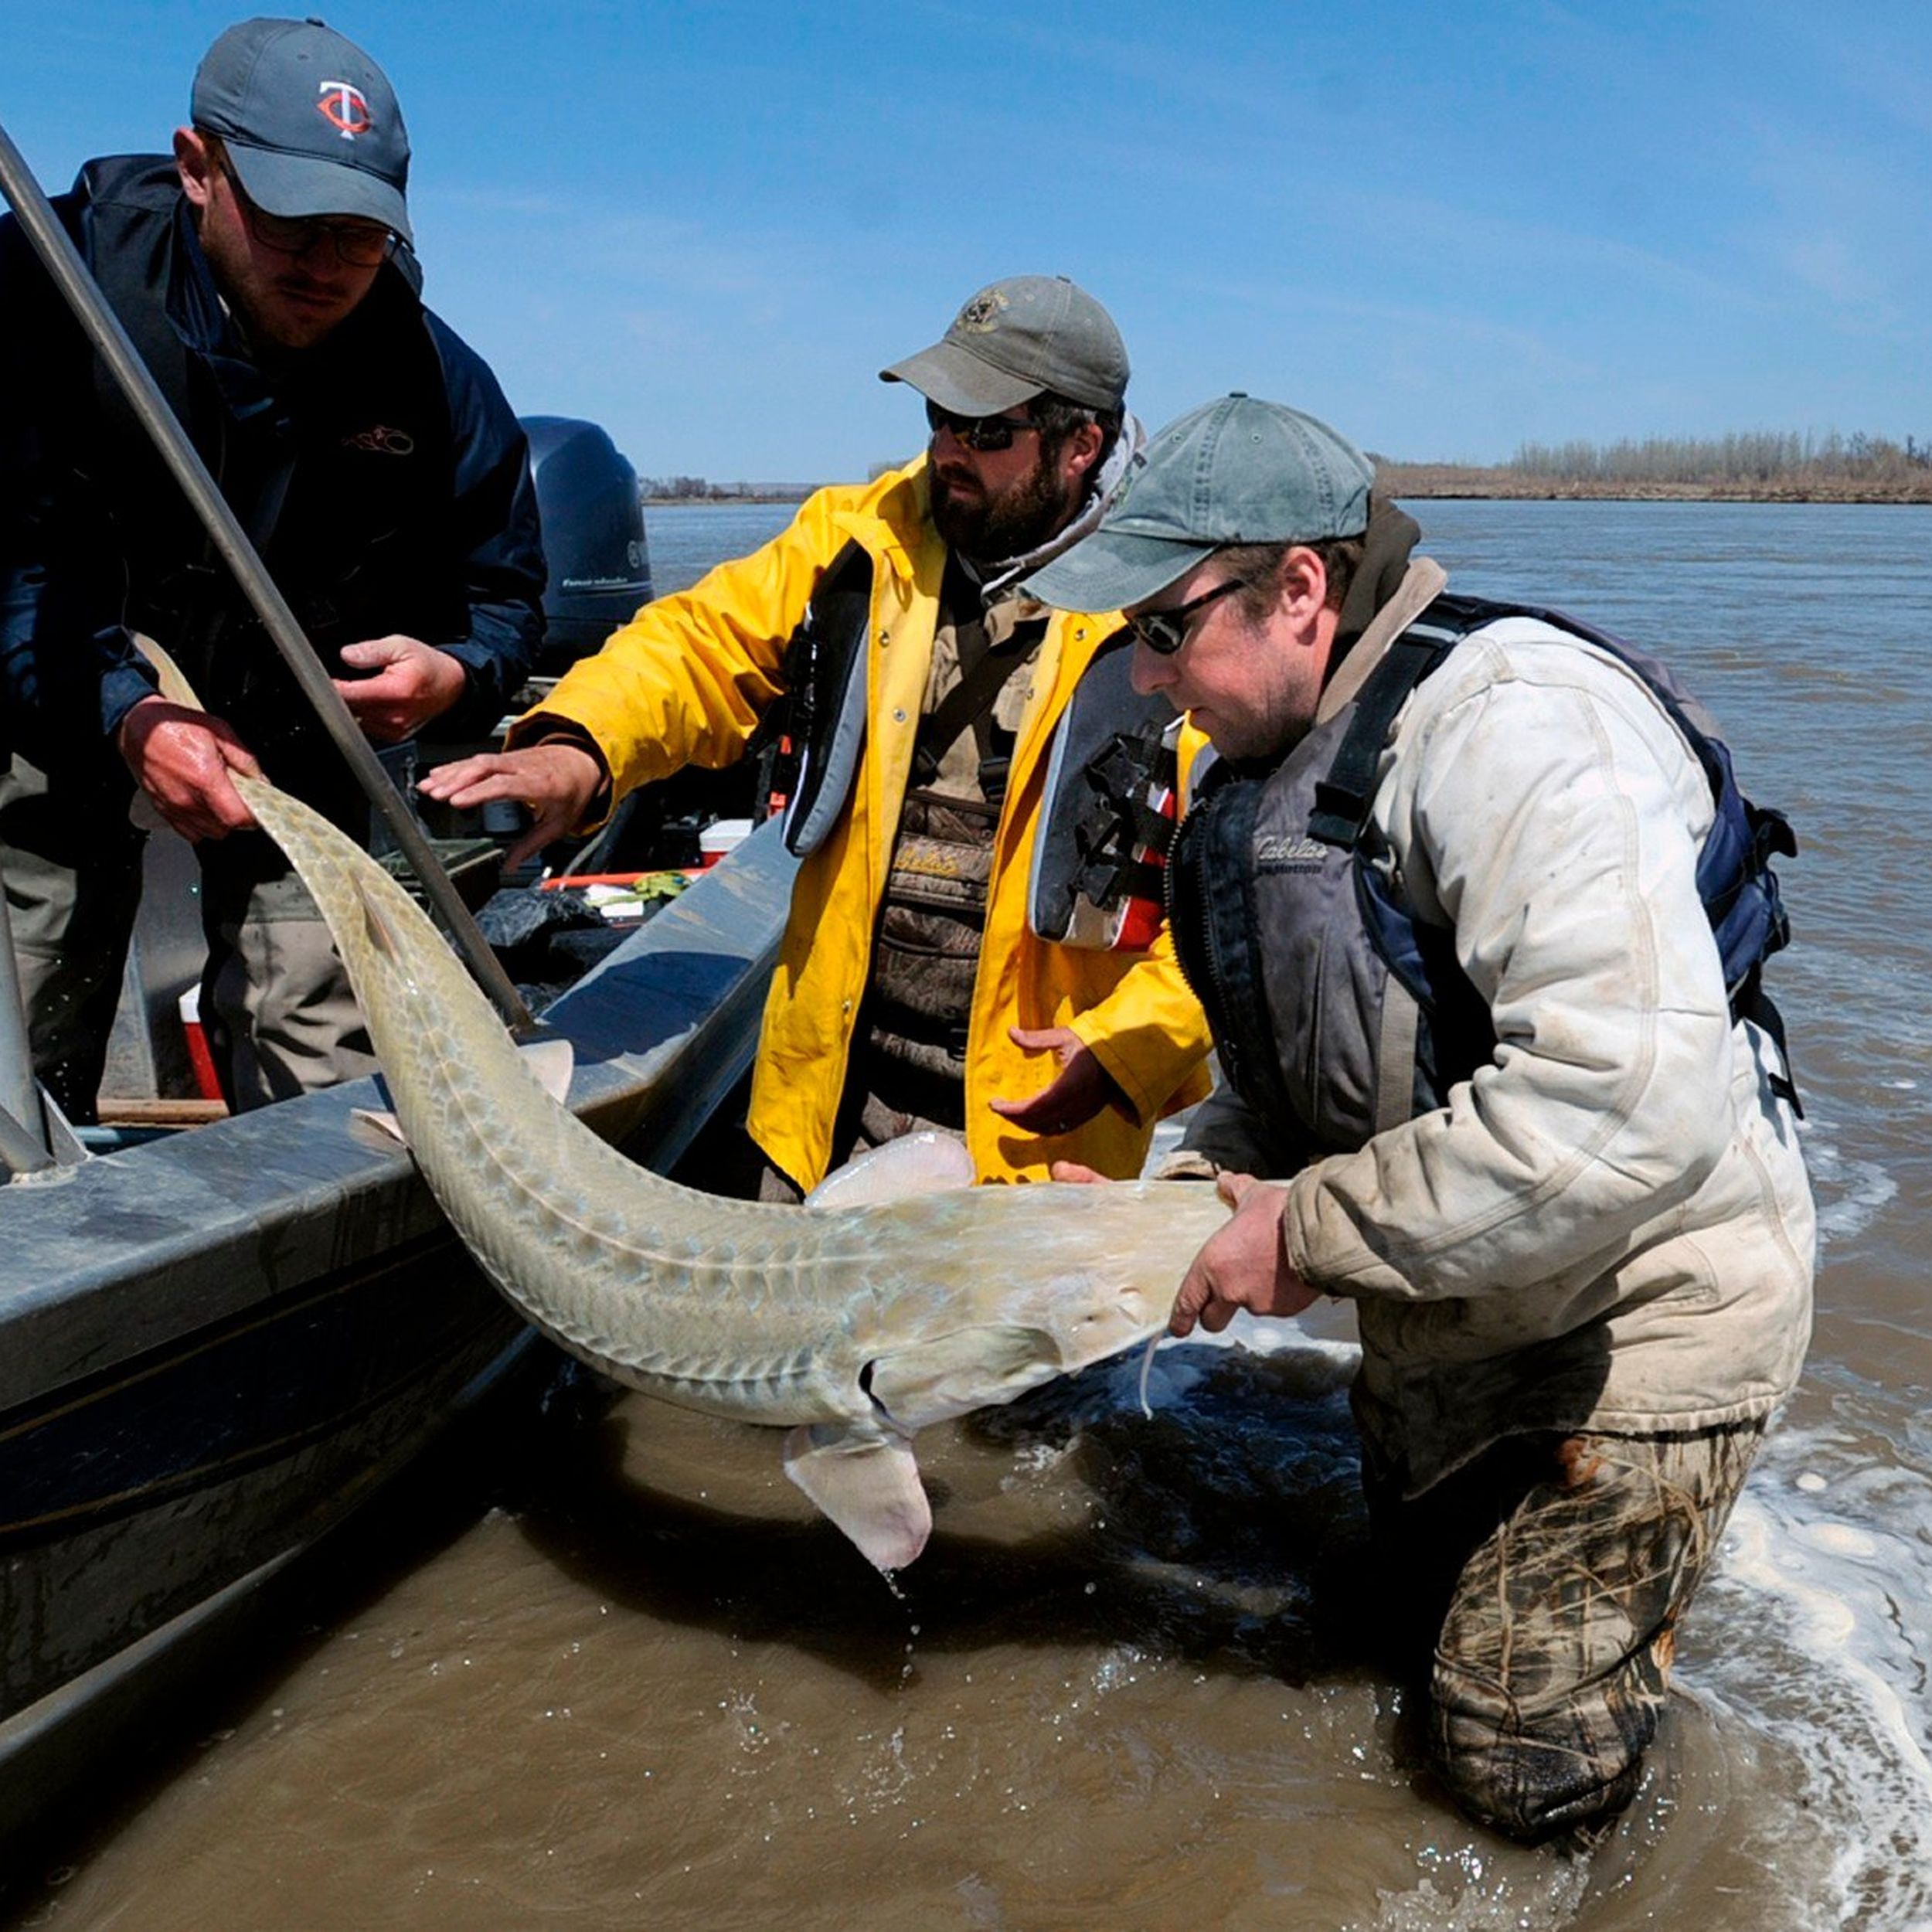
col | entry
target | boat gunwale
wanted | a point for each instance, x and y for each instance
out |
(134, 1249)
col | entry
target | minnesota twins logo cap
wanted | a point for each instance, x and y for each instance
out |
(1016, 339)
(308, 119)
(1236, 470)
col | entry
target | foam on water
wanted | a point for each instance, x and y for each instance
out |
(1825, 1587)
(1806, 1663)
(1851, 1193)
(1456, 1894)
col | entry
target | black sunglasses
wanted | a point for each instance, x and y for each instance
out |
(980, 433)
(1165, 631)
(362, 244)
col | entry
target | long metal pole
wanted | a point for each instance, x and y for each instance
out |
(56, 251)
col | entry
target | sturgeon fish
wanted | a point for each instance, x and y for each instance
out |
(854, 1327)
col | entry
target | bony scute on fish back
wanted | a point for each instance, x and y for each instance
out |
(853, 1327)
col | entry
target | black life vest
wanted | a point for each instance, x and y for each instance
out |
(819, 731)
(1336, 1012)
(1109, 818)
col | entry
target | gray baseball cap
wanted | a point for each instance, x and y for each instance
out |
(1237, 470)
(1016, 339)
(308, 119)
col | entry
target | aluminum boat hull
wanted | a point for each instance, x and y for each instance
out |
(213, 1347)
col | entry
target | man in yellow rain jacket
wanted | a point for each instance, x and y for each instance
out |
(975, 941)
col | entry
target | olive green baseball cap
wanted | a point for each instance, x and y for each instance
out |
(1235, 470)
(1017, 339)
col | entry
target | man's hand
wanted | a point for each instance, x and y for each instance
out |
(413, 682)
(1243, 1265)
(182, 759)
(554, 783)
(1082, 1087)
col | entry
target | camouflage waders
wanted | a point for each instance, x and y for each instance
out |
(1561, 1565)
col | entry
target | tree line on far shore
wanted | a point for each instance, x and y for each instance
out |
(1764, 456)
(698, 489)
(1766, 464)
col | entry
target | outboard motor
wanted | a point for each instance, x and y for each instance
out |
(593, 537)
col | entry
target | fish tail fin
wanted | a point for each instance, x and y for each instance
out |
(175, 686)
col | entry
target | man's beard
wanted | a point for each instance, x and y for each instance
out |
(991, 529)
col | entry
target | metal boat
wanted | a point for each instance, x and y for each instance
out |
(214, 1346)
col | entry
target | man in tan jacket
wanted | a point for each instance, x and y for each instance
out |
(1479, 918)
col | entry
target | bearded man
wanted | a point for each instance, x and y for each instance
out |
(977, 895)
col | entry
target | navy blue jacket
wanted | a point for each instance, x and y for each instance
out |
(382, 473)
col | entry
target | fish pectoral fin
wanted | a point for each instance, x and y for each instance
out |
(551, 1063)
(377, 1127)
(868, 1483)
(929, 1162)
(955, 1374)
(370, 1127)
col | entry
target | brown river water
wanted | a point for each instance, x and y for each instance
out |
(611, 1672)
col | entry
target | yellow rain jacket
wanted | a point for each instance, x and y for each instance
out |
(685, 681)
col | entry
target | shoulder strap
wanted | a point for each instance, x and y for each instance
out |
(971, 698)
(1739, 889)
(1343, 796)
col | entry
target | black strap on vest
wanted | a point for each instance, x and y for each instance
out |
(969, 699)
(1342, 798)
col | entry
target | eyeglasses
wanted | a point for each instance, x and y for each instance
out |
(983, 433)
(362, 244)
(1165, 631)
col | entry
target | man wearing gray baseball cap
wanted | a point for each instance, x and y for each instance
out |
(940, 969)
(263, 271)
(1478, 915)
(308, 121)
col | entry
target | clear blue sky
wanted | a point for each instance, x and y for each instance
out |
(1448, 227)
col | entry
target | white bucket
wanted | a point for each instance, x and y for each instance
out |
(721, 836)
